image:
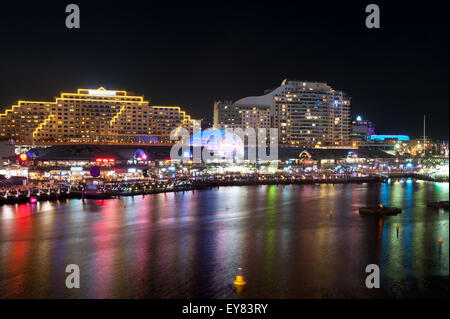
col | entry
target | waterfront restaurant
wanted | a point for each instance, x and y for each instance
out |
(73, 162)
(324, 157)
(124, 156)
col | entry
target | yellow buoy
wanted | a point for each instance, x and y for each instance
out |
(240, 281)
(331, 212)
(239, 289)
(440, 241)
(239, 278)
(398, 226)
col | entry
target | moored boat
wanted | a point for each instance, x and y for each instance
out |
(137, 189)
(380, 210)
(2, 197)
(23, 196)
(53, 194)
(75, 192)
(11, 197)
(35, 192)
(63, 192)
(44, 194)
(125, 190)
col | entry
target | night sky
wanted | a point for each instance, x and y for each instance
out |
(191, 53)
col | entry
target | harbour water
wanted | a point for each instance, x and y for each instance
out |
(292, 241)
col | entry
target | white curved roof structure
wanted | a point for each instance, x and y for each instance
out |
(286, 85)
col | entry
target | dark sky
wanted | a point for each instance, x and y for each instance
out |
(191, 53)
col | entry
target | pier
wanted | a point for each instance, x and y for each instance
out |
(115, 189)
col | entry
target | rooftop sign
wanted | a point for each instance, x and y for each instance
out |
(102, 92)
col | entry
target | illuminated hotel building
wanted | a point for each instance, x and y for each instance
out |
(230, 116)
(91, 116)
(305, 113)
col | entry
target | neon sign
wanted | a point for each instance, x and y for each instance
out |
(140, 155)
(105, 161)
(102, 92)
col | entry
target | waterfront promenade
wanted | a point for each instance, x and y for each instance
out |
(39, 191)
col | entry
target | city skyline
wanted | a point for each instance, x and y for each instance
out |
(305, 114)
(189, 57)
(212, 157)
(264, 113)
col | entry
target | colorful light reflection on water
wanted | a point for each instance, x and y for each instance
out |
(189, 244)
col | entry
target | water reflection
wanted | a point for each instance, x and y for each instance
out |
(189, 244)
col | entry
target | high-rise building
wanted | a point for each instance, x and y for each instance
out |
(305, 113)
(91, 116)
(229, 116)
(362, 130)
